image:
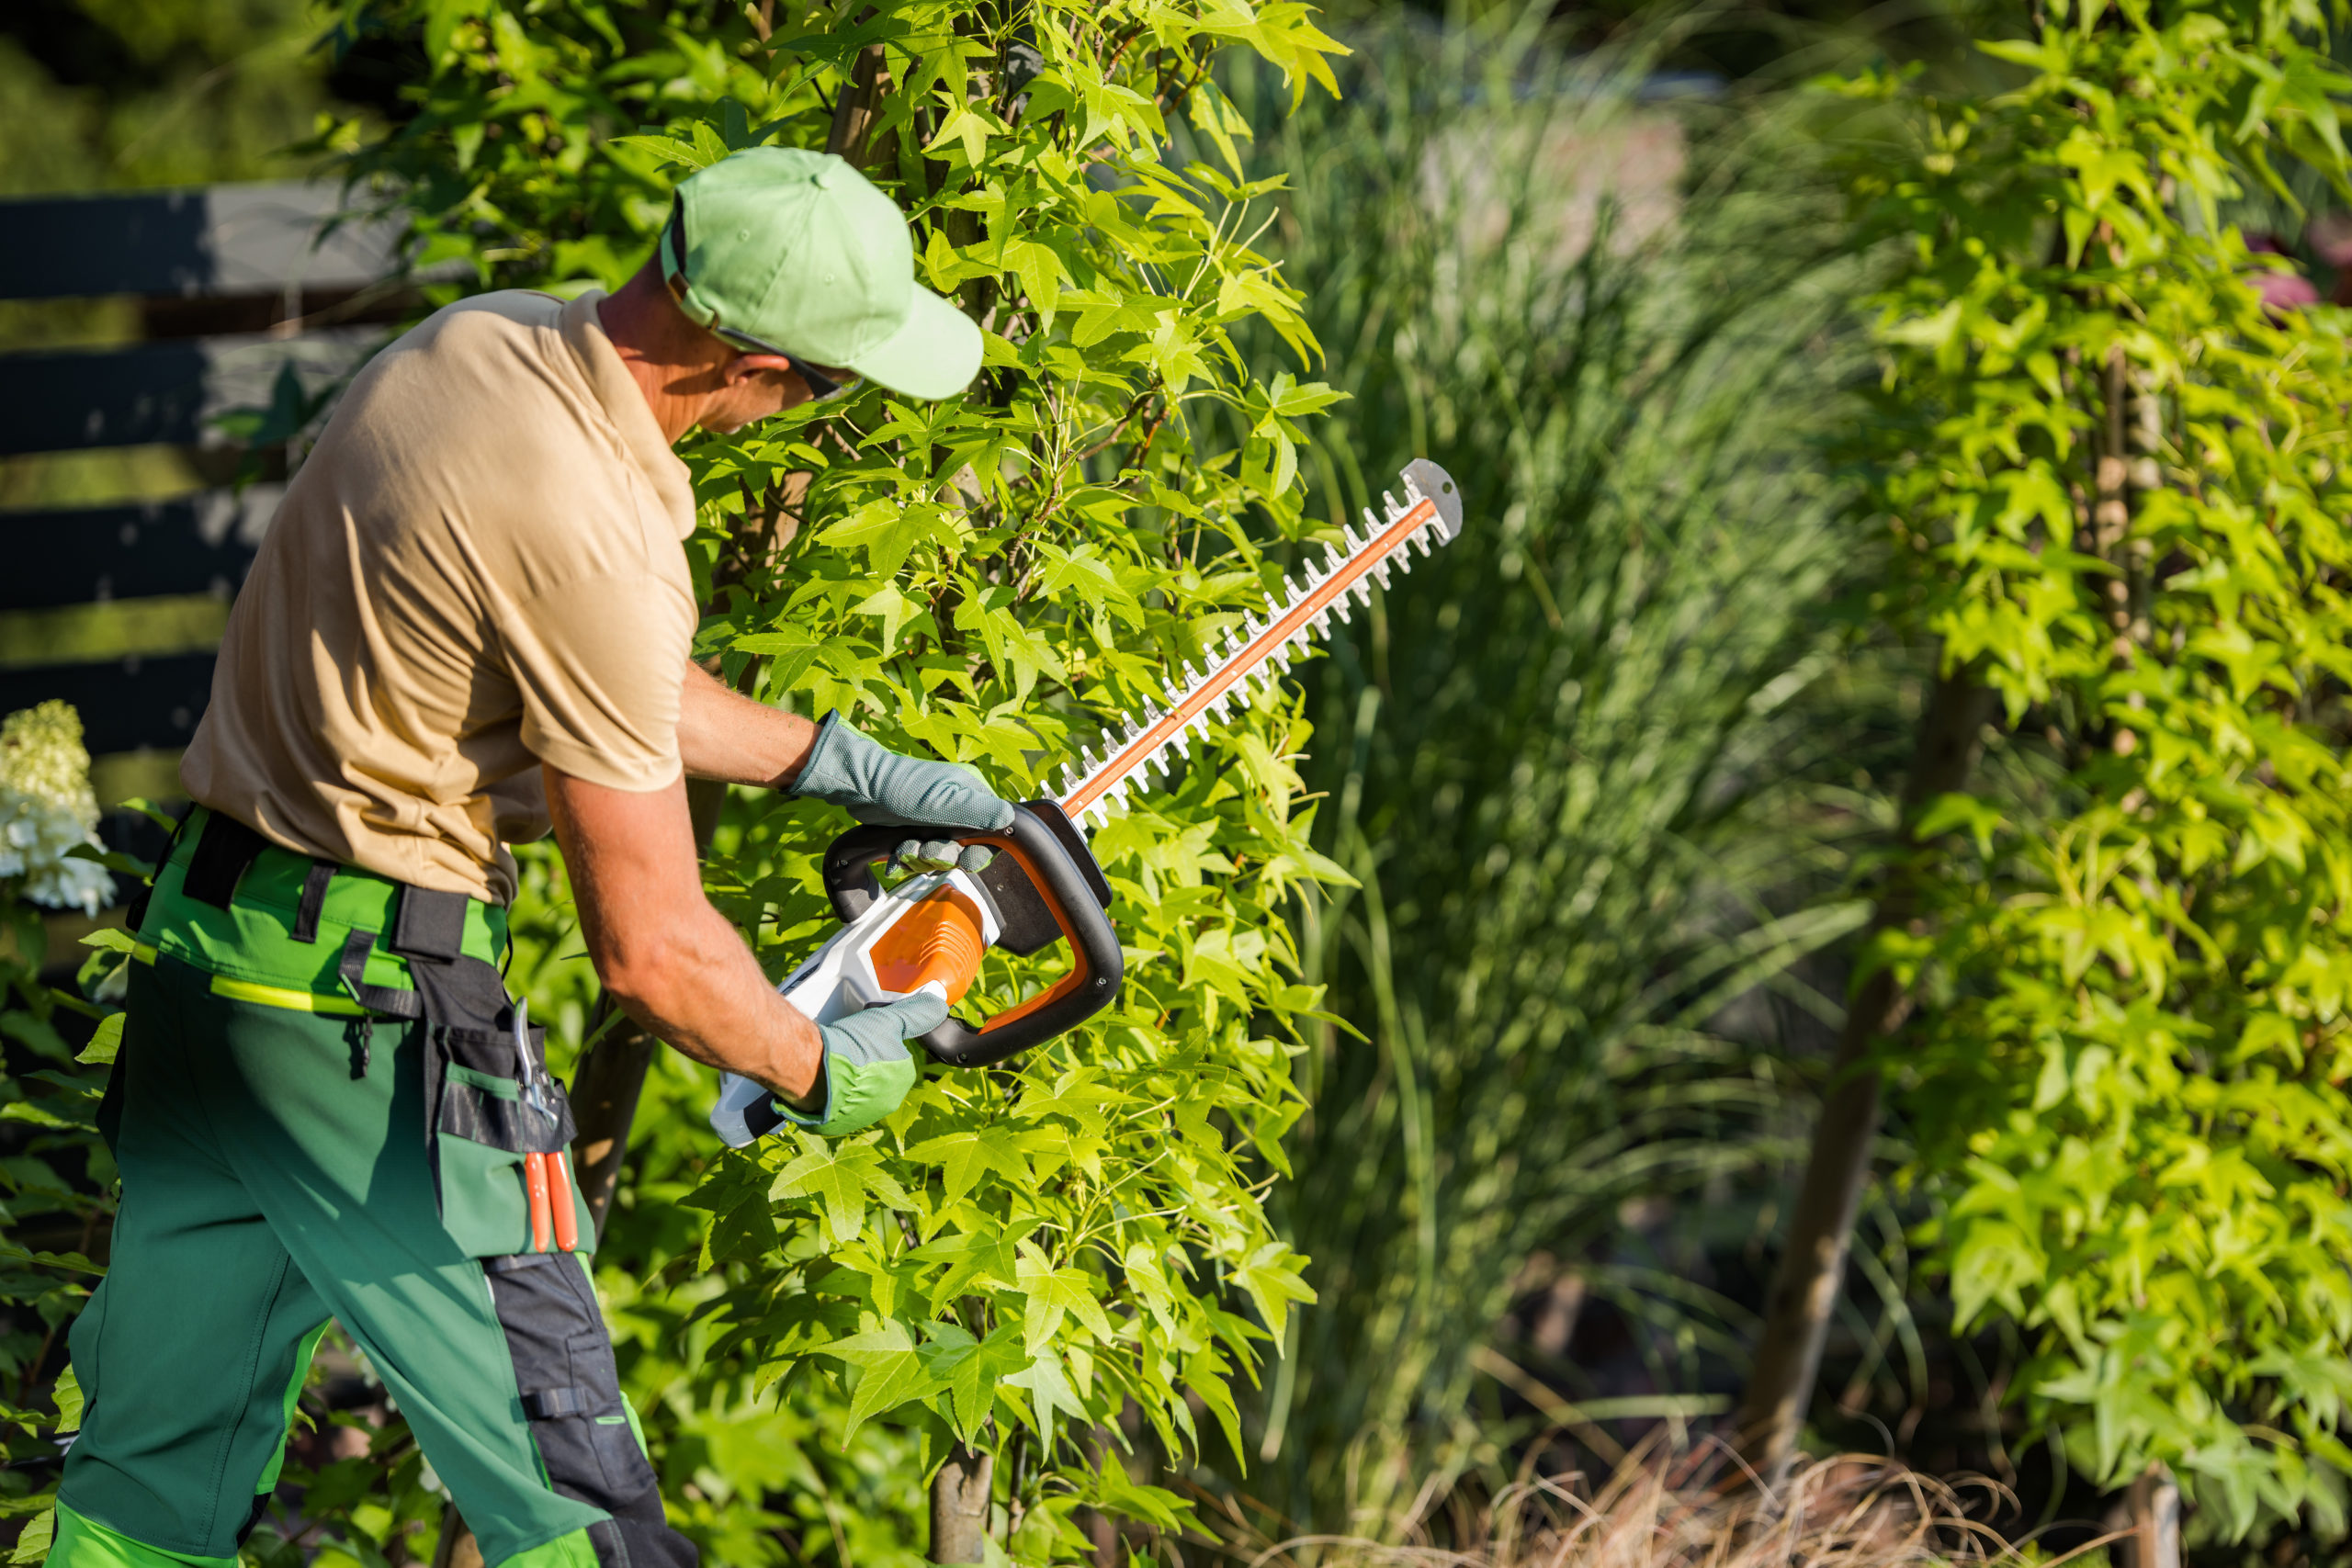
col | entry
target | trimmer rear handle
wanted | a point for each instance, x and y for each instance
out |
(1046, 886)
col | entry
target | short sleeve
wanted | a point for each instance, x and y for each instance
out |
(600, 663)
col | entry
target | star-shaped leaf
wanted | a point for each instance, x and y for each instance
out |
(839, 1177)
(971, 1370)
(892, 1371)
(964, 1157)
(1271, 1278)
(972, 1260)
(1055, 1293)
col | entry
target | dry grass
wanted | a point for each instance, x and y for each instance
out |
(1694, 1510)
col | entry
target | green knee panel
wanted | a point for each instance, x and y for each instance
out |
(85, 1543)
(274, 1173)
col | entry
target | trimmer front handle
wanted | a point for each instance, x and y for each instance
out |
(1043, 886)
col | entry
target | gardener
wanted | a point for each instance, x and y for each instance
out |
(471, 620)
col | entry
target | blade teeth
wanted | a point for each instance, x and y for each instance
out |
(1395, 510)
(1371, 522)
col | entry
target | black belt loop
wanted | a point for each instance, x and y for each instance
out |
(431, 923)
(223, 852)
(353, 965)
(314, 899)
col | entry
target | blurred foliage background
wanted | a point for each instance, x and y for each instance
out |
(1606, 770)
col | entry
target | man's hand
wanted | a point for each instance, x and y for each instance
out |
(868, 1069)
(726, 735)
(669, 959)
(880, 785)
(942, 854)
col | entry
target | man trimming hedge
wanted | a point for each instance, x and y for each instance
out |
(471, 620)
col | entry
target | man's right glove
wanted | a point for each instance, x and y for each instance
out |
(868, 1069)
(878, 786)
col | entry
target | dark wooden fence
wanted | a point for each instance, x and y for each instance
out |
(233, 285)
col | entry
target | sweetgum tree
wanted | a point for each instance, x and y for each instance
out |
(2116, 488)
(1022, 1253)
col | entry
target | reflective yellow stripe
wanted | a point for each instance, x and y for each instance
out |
(279, 997)
(266, 996)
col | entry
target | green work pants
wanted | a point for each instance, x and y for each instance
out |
(276, 1172)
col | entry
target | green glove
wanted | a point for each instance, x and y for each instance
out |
(878, 786)
(868, 1069)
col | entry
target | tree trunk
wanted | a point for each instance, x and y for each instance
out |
(457, 1546)
(604, 1102)
(2145, 1523)
(1804, 1286)
(960, 1505)
(854, 110)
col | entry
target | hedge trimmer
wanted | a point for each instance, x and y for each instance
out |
(1044, 887)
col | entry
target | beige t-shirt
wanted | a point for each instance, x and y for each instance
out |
(477, 571)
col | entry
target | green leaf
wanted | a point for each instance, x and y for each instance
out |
(1271, 1276)
(105, 1041)
(838, 1177)
(891, 1373)
(1049, 1390)
(1055, 1293)
(33, 1544)
(964, 1157)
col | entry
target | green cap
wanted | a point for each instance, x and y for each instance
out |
(793, 253)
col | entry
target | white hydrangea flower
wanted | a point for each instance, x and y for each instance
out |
(47, 808)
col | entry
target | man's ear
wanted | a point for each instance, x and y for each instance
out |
(743, 367)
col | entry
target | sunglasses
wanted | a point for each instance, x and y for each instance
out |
(821, 388)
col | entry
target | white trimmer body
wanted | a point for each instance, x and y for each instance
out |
(838, 979)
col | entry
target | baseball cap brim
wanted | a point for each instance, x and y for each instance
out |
(934, 354)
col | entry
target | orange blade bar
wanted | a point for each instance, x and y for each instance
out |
(1224, 678)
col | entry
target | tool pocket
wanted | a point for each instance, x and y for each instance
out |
(496, 1136)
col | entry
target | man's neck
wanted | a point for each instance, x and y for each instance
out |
(670, 360)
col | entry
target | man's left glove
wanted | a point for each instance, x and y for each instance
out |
(868, 1069)
(878, 786)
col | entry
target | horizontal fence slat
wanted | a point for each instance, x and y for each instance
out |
(157, 393)
(124, 705)
(199, 544)
(133, 397)
(216, 240)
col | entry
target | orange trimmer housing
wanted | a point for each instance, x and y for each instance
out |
(1044, 887)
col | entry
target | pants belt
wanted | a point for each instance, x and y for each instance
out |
(426, 922)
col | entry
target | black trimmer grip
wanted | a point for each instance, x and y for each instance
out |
(1044, 886)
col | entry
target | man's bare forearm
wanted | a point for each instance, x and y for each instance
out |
(726, 735)
(671, 961)
(707, 999)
